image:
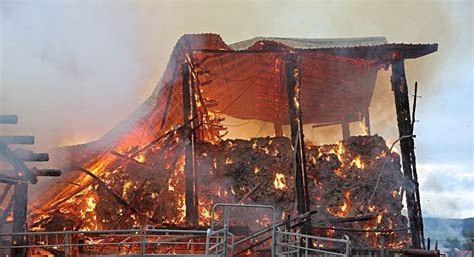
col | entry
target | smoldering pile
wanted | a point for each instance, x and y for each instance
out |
(343, 177)
(356, 177)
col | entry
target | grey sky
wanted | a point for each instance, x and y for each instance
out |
(72, 70)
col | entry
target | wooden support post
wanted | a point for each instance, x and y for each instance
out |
(293, 80)
(346, 132)
(20, 202)
(367, 122)
(278, 129)
(400, 91)
(191, 219)
(194, 138)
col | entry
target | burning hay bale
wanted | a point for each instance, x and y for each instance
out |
(356, 177)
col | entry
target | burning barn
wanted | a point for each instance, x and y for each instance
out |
(171, 160)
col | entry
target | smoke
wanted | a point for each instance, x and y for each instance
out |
(71, 71)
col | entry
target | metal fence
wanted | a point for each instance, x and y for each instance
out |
(118, 242)
(216, 241)
(296, 244)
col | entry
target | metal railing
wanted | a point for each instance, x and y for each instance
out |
(228, 209)
(296, 244)
(216, 241)
(129, 241)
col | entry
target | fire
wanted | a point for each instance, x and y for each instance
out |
(256, 169)
(140, 158)
(280, 181)
(181, 208)
(358, 163)
(344, 209)
(345, 206)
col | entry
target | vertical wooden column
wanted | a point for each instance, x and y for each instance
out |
(346, 132)
(191, 208)
(20, 202)
(400, 91)
(278, 90)
(293, 80)
(367, 122)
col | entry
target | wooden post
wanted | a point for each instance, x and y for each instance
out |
(191, 219)
(20, 202)
(293, 80)
(346, 132)
(367, 122)
(278, 129)
(194, 138)
(400, 91)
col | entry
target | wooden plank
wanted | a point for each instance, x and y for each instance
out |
(11, 180)
(367, 122)
(29, 156)
(17, 140)
(8, 119)
(346, 132)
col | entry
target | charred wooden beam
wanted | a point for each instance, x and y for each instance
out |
(17, 163)
(415, 173)
(39, 172)
(293, 80)
(20, 202)
(115, 195)
(29, 156)
(4, 194)
(8, 119)
(346, 219)
(400, 91)
(17, 140)
(191, 218)
(361, 230)
(367, 122)
(11, 180)
(346, 132)
(46, 172)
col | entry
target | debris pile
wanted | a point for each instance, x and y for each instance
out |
(356, 177)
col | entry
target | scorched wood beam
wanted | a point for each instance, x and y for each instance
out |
(20, 202)
(367, 122)
(189, 142)
(293, 81)
(8, 119)
(400, 91)
(11, 157)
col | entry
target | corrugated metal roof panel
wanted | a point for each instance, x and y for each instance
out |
(313, 43)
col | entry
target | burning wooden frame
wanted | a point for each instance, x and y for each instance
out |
(169, 161)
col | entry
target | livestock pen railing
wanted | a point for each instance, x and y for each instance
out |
(296, 244)
(217, 240)
(118, 242)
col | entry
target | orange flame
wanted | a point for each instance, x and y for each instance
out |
(279, 181)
